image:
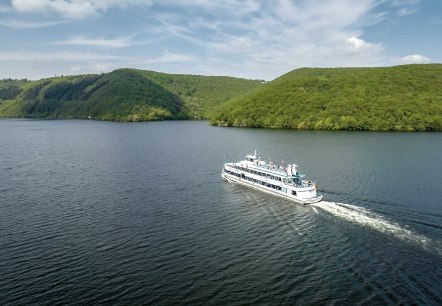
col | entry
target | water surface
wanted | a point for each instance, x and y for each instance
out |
(118, 213)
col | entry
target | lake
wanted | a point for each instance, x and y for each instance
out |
(136, 213)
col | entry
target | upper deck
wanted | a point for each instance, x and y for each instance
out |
(287, 174)
(264, 167)
(272, 172)
(254, 162)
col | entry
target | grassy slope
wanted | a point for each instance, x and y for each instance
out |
(123, 95)
(392, 98)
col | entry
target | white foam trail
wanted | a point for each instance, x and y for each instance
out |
(314, 209)
(367, 218)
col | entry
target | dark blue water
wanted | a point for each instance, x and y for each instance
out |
(115, 213)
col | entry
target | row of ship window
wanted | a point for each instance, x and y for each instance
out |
(259, 182)
(259, 173)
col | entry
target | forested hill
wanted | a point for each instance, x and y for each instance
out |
(405, 97)
(122, 95)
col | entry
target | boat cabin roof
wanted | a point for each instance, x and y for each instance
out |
(251, 157)
(262, 166)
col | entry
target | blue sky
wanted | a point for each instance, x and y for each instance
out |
(242, 38)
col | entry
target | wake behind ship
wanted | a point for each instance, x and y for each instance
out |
(281, 181)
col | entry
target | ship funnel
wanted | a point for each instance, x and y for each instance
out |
(294, 168)
(289, 170)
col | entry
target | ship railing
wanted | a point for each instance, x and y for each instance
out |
(303, 184)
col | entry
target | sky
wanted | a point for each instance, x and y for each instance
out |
(241, 38)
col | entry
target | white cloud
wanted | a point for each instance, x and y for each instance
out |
(406, 11)
(98, 42)
(276, 37)
(233, 44)
(172, 26)
(245, 38)
(168, 57)
(24, 24)
(56, 56)
(73, 8)
(356, 42)
(405, 7)
(231, 7)
(37, 65)
(412, 59)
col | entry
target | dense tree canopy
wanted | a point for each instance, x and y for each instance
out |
(392, 98)
(123, 95)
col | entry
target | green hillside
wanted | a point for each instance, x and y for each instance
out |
(203, 94)
(392, 98)
(122, 95)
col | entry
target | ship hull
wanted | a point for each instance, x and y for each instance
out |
(234, 179)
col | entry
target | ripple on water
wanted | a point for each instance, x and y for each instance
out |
(106, 213)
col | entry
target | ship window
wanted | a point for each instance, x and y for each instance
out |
(293, 192)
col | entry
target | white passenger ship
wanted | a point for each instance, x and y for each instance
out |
(282, 181)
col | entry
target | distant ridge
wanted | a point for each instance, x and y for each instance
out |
(121, 95)
(400, 98)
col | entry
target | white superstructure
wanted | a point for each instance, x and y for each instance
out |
(282, 181)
